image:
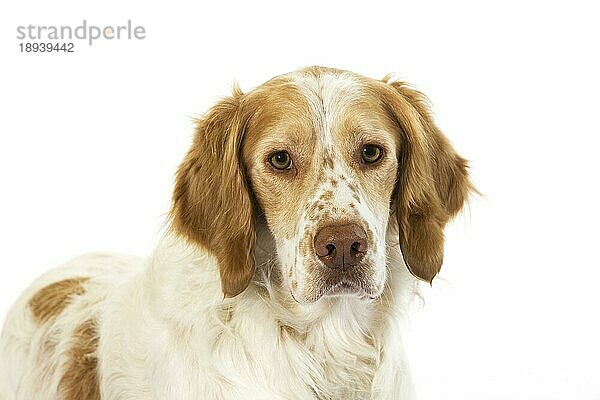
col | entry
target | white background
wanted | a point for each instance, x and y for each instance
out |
(90, 142)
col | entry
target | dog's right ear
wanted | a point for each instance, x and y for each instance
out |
(211, 203)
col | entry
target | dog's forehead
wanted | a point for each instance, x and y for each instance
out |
(329, 96)
(318, 106)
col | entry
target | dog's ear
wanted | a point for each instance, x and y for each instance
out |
(433, 181)
(211, 203)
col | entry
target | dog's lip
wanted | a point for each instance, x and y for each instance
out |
(344, 287)
(340, 288)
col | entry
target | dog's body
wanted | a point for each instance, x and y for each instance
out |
(315, 290)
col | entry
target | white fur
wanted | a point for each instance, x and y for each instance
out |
(327, 96)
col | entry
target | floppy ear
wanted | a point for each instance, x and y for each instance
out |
(433, 182)
(211, 203)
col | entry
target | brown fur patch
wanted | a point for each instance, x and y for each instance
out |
(328, 195)
(51, 300)
(80, 378)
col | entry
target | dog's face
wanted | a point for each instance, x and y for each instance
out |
(322, 160)
(327, 157)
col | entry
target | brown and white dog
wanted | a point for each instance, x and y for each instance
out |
(302, 217)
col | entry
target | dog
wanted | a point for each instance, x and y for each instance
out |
(303, 217)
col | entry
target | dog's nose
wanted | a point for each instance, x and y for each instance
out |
(341, 246)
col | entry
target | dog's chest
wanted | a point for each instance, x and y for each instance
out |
(327, 362)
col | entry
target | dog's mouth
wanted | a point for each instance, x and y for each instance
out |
(344, 288)
(338, 283)
(361, 281)
(340, 288)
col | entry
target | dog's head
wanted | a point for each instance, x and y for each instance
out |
(326, 157)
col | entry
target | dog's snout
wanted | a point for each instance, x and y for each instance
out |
(341, 246)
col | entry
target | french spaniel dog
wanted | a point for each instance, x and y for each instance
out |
(302, 217)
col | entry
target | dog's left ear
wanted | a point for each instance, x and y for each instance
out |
(433, 182)
(212, 206)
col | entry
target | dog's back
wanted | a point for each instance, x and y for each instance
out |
(48, 344)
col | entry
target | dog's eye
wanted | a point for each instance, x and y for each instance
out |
(371, 153)
(281, 160)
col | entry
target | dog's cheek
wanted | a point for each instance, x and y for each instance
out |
(286, 253)
(292, 256)
(305, 254)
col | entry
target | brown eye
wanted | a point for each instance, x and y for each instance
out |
(281, 160)
(371, 153)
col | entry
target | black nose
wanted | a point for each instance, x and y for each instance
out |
(341, 246)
